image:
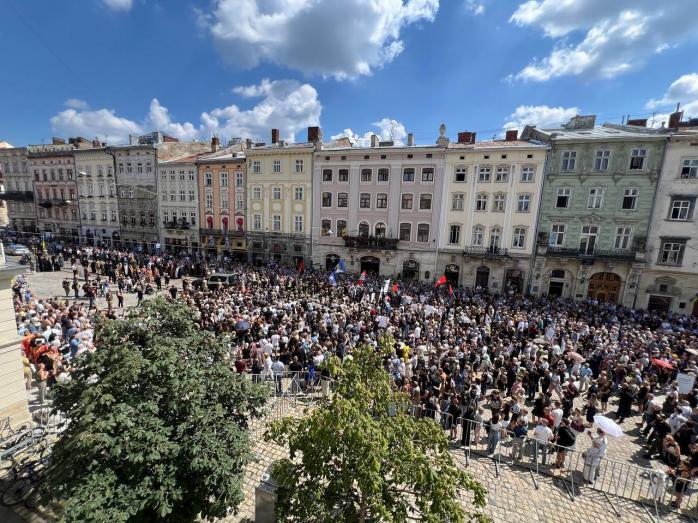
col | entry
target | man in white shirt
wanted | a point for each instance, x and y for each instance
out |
(542, 435)
(556, 413)
(278, 370)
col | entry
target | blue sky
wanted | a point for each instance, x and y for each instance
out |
(108, 68)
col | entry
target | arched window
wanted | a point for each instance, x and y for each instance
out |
(364, 229)
(478, 235)
(495, 237)
(326, 227)
(380, 230)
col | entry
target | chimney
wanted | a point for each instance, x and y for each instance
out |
(466, 137)
(374, 140)
(410, 139)
(57, 141)
(274, 136)
(215, 142)
(248, 144)
(512, 135)
(96, 143)
(638, 122)
(675, 119)
(314, 134)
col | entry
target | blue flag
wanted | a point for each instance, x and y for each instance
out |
(340, 268)
(332, 279)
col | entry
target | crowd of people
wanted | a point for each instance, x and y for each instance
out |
(517, 366)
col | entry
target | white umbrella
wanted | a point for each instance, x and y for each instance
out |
(609, 426)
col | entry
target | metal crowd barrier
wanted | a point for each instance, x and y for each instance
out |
(648, 486)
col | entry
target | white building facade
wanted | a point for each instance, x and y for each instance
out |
(179, 204)
(18, 189)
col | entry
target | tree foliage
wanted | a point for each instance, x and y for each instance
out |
(158, 427)
(361, 456)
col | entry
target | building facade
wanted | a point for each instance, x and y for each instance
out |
(179, 204)
(222, 221)
(670, 281)
(490, 210)
(18, 194)
(377, 207)
(597, 200)
(97, 200)
(279, 199)
(55, 190)
(137, 195)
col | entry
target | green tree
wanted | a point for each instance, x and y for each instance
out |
(361, 457)
(158, 428)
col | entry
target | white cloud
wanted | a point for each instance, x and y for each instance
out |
(475, 7)
(683, 90)
(118, 5)
(76, 103)
(286, 105)
(386, 129)
(618, 36)
(336, 39)
(539, 115)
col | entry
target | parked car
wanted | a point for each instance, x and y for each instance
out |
(222, 279)
(16, 249)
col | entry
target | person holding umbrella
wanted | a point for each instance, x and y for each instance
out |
(593, 455)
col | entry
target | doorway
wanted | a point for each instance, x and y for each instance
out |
(452, 274)
(513, 281)
(604, 287)
(482, 277)
(410, 270)
(370, 264)
(331, 261)
(556, 288)
(659, 303)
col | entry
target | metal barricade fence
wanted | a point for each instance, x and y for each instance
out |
(625, 480)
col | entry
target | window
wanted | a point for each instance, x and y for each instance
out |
(481, 202)
(406, 203)
(381, 201)
(192, 196)
(524, 203)
(484, 174)
(181, 176)
(563, 198)
(276, 166)
(408, 174)
(239, 202)
(423, 232)
(298, 223)
(327, 199)
(689, 168)
(209, 201)
(427, 174)
(224, 201)
(366, 175)
(623, 235)
(569, 160)
(379, 230)
(276, 223)
(557, 235)
(131, 193)
(502, 174)
(192, 217)
(299, 166)
(166, 216)
(256, 167)
(327, 175)
(405, 231)
(454, 234)
(298, 193)
(343, 175)
(124, 195)
(519, 239)
(383, 175)
(239, 181)
(587, 240)
(499, 202)
(424, 202)
(113, 215)
(257, 221)
(461, 174)
(93, 215)
(630, 199)
(256, 193)
(208, 179)
(365, 200)
(276, 193)
(595, 200)
(326, 227)
(173, 196)
(528, 174)
(637, 159)
(601, 159)
(341, 228)
(495, 238)
(190, 176)
(457, 201)
(182, 196)
(681, 209)
(364, 229)
(671, 252)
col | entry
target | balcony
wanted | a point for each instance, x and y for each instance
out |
(47, 204)
(601, 254)
(370, 242)
(176, 225)
(219, 233)
(17, 196)
(486, 252)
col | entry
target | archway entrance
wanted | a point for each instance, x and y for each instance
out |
(604, 287)
(513, 281)
(331, 261)
(370, 264)
(410, 270)
(482, 277)
(452, 274)
(557, 283)
(658, 303)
